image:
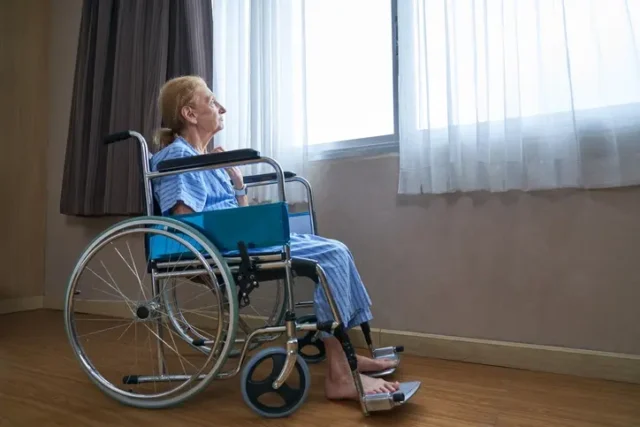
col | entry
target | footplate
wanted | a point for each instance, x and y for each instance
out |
(386, 401)
(390, 353)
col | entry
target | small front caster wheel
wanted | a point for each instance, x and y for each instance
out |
(258, 376)
(310, 346)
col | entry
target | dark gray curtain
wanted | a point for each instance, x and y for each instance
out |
(127, 49)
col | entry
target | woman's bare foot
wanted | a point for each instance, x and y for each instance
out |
(339, 382)
(345, 388)
(366, 364)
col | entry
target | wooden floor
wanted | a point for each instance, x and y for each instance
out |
(41, 383)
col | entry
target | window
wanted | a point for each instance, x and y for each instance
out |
(350, 76)
(490, 61)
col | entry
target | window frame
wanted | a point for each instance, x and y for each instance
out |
(369, 146)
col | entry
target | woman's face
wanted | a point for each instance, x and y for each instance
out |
(208, 112)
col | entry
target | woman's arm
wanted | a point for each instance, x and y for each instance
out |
(243, 200)
(236, 179)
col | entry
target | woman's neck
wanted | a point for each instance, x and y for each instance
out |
(196, 140)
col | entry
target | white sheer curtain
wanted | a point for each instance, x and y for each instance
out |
(259, 76)
(518, 94)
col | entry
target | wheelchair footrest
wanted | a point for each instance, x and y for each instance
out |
(386, 401)
(389, 353)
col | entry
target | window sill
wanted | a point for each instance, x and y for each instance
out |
(351, 149)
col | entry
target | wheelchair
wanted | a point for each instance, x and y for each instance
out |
(227, 256)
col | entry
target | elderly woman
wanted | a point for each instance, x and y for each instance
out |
(192, 116)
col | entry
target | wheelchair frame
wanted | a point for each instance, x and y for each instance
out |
(245, 265)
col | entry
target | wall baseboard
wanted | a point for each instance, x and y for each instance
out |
(21, 304)
(559, 360)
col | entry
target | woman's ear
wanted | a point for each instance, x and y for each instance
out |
(188, 114)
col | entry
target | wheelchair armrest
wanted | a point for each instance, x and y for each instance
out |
(254, 179)
(211, 159)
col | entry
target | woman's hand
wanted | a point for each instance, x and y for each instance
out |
(234, 172)
(236, 177)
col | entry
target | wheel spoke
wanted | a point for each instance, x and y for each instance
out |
(290, 395)
(101, 330)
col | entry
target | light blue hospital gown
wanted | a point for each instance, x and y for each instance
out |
(212, 189)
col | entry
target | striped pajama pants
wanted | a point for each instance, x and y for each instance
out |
(344, 282)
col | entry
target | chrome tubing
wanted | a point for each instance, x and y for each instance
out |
(310, 205)
(162, 365)
(292, 339)
(292, 356)
(233, 269)
(289, 279)
(144, 159)
(228, 260)
(325, 287)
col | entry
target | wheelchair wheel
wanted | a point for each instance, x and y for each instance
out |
(260, 373)
(310, 346)
(118, 322)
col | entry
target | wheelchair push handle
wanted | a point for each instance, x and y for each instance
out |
(116, 137)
